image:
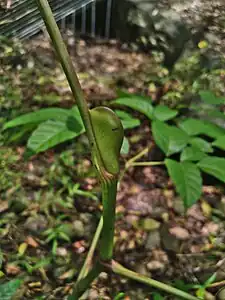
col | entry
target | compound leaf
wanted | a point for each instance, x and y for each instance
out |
(187, 179)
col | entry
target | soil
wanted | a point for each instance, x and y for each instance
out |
(154, 234)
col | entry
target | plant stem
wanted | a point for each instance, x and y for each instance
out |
(132, 161)
(217, 284)
(66, 62)
(72, 78)
(119, 269)
(109, 190)
(88, 261)
(106, 225)
(108, 181)
(147, 163)
(82, 285)
(139, 155)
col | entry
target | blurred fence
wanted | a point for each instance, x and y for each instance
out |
(23, 20)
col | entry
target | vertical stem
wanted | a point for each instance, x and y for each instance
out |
(82, 285)
(67, 65)
(88, 261)
(109, 190)
(72, 78)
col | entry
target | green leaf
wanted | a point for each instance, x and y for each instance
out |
(201, 144)
(1, 258)
(129, 124)
(214, 166)
(39, 116)
(170, 139)
(121, 93)
(200, 293)
(220, 142)
(192, 154)
(157, 296)
(127, 120)
(123, 115)
(215, 114)
(187, 179)
(208, 111)
(52, 133)
(51, 237)
(209, 98)
(138, 103)
(210, 280)
(164, 113)
(64, 236)
(7, 290)
(120, 296)
(42, 263)
(54, 246)
(181, 285)
(14, 135)
(125, 146)
(196, 127)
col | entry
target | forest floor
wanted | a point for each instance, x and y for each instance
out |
(154, 234)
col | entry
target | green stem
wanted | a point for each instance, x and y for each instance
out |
(119, 269)
(132, 161)
(88, 261)
(108, 181)
(109, 190)
(82, 285)
(137, 156)
(147, 163)
(71, 75)
(66, 62)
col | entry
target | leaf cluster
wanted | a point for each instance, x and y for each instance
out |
(193, 140)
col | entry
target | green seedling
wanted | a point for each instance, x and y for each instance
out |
(60, 232)
(32, 264)
(120, 296)
(201, 289)
(74, 189)
(157, 296)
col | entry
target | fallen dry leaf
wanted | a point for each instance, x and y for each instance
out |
(210, 228)
(12, 269)
(180, 233)
(31, 242)
(3, 206)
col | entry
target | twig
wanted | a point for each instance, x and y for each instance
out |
(147, 163)
(132, 162)
(88, 261)
(119, 269)
(139, 155)
(134, 159)
(216, 284)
